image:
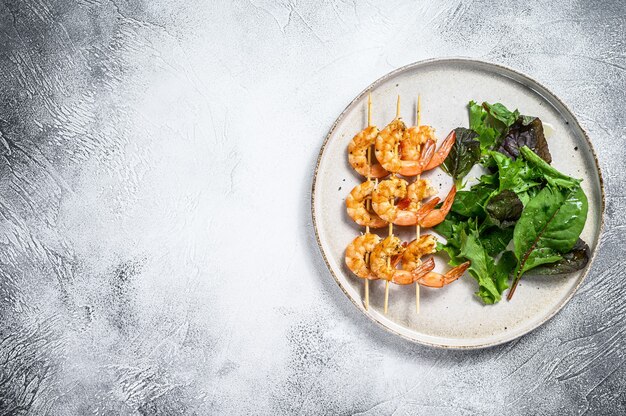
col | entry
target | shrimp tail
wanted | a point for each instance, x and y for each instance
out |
(423, 269)
(436, 280)
(416, 167)
(405, 277)
(428, 151)
(447, 203)
(427, 208)
(441, 154)
(429, 217)
(455, 273)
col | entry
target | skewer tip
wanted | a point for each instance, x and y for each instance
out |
(369, 112)
(419, 108)
(417, 297)
(398, 107)
(386, 295)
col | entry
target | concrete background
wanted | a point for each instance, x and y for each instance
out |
(156, 247)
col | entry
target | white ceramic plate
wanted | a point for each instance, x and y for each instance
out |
(453, 316)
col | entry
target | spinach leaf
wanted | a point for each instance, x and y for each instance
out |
(550, 174)
(526, 131)
(549, 227)
(572, 261)
(446, 229)
(504, 208)
(464, 154)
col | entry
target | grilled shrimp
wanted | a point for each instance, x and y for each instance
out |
(357, 153)
(414, 139)
(389, 249)
(356, 255)
(386, 142)
(416, 192)
(355, 204)
(429, 217)
(437, 280)
(383, 202)
(390, 138)
(405, 212)
(440, 155)
(411, 258)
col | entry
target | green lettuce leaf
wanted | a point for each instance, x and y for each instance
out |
(515, 175)
(451, 229)
(486, 134)
(491, 122)
(492, 278)
(472, 203)
(495, 240)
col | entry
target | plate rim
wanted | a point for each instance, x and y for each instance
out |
(457, 59)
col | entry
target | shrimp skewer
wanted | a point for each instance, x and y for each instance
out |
(394, 156)
(423, 133)
(358, 204)
(369, 201)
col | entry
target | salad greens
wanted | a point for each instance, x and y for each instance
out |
(523, 216)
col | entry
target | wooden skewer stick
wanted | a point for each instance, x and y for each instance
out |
(391, 223)
(368, 202)
(417, 227)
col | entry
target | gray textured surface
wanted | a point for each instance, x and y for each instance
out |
(156, 247)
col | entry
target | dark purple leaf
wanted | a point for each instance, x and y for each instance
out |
(526, 131)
